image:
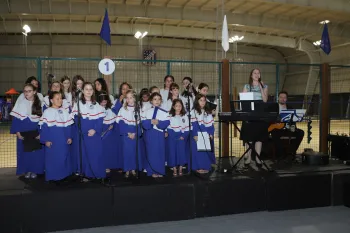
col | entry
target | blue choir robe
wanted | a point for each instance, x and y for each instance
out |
(118, 140)
(109, 136)
(201, 123)
(24, 121)
(176, 147)
(92, 116)
(155, 139)
(55, 127)
(144, 108)
(127, 124)
(65, 104)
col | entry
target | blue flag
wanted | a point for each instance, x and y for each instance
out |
(325, 42)
(105, 33)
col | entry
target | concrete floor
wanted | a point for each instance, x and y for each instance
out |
(316, 220)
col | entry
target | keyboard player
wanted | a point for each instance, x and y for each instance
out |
(279, 131)
(254, 131)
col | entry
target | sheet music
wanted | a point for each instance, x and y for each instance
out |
(298, 115)
(203, 143)
(247, 96)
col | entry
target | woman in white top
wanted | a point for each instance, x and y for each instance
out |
(255, 132)
(173, 95)
(164, 92)
(65, 80)
(188, 93)
(100, 86)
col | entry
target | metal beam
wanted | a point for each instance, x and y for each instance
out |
(158, 12)
(334, 5)
(153, 30)
(8, 6)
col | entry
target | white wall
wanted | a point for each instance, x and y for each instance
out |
(14, 72)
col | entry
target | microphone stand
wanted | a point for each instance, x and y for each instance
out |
(137, 115)
(188, 107)
(80, 138)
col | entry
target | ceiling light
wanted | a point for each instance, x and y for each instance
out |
(26, 29)
(139, 35)
(317, 43)
(235, 38)
(325, 21)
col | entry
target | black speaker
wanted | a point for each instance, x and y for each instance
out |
(347, 194)
(340, 146)
(153, 203)
(298, 191)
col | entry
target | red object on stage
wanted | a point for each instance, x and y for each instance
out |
(12, 91)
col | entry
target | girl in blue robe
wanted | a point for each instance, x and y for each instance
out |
(56, 86)
(109, 133)
(155, 121)
(202, 126)
(131, 135)
(92, 115)
(26, 115)
(118, 103)
(55, 133)
(178, 132)
(203, 89)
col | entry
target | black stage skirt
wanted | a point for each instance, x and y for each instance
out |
(254, 131)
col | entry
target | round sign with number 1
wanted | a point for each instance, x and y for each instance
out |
(106, 66)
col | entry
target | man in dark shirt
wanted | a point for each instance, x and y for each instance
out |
(289, 131)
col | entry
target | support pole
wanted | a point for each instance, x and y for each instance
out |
(225, 82)
(324, 120)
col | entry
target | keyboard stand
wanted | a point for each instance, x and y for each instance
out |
(251, 146)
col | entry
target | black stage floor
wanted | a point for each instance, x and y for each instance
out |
(37, 206)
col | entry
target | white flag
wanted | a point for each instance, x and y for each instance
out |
(224, 43)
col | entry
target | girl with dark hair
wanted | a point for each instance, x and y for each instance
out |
(109, 133)
(164, 92)
(144, 100)
(77, 85)
(26, 115)
(155, 121)
(202, 126)
(255, 132)
(178, 131)
(129, 133)
(203, 89)
(101, 86)
(56, 86)
(55, 134)
(65, 80)
(118, 103)
(173, 95)
(92, 115)
(189, 92)
(32, 80)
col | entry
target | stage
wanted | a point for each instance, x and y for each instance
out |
(37, 206)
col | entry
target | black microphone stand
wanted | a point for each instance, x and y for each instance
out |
(137, 115)
(188, 107)
(81, 175)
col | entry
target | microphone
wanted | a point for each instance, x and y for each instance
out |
(261, 84)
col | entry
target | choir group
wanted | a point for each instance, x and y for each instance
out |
(82, 129)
